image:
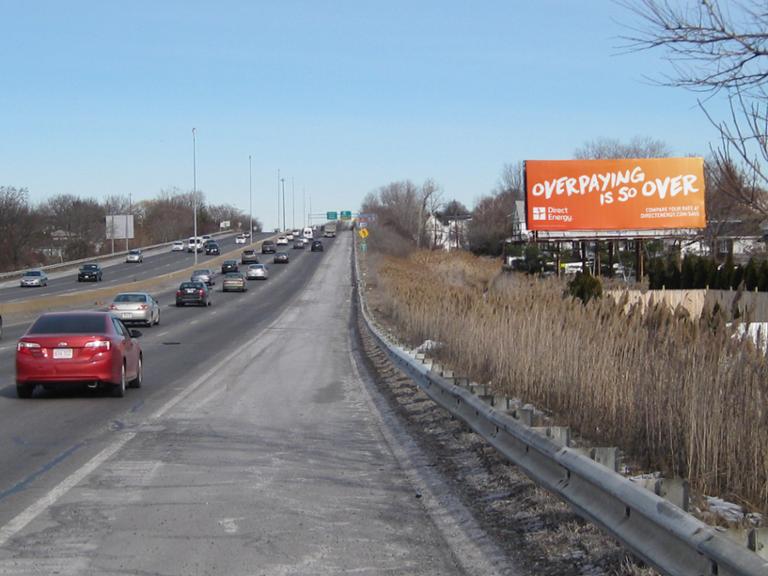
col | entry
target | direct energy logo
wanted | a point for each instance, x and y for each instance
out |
(550, 214)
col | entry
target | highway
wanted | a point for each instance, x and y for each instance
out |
(250, 449)
(116, 272)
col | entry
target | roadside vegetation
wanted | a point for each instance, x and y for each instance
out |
(677, 395)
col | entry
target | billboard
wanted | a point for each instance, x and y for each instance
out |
(119, 226)
(615, 195)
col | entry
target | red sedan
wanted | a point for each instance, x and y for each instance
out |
(78, 347)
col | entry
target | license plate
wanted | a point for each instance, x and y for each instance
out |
(126, 315)
(62, 352)
(191, 290)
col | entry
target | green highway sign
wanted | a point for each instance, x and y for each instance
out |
(346, 215)
(332, 215)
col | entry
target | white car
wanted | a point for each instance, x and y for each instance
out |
(136, 307)
(177, 246)
(241, 239)
(289, 236)
(34, 278)
(282, 241)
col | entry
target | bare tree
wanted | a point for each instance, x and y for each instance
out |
(716, 47)
(511, 181)
(637, 147)
(18, 226)
(430, 197)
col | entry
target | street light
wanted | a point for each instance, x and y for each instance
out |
(250, 197)
(293, 205)
(278, 198)
(282, 181)
(194, 190)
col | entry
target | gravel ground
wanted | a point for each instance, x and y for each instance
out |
(538, 533)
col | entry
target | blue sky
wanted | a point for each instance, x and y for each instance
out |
(100, 97)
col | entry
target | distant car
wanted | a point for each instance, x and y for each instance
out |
(308, 233)
(212, 249)
(298, 244)
(206, 237)
(196, 293)
(136, 307)
(229, 266)
(241, 239)
(33, 278)
(65, 348)
(282, 241)
(204, 275)
(135, 256)
(257, 272)
(90, 272)
(268, 247)
(289, 236)
(178, 246)
(234, 281)
(249, 256)
(317, 246)
(281, 258)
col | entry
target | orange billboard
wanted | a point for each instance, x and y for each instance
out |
(635, 194)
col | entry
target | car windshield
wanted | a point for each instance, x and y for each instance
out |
(68, 324)
(201, 273)
(131, 298)
(90, 267)
(256, 267)
(232, 275)
(135, 252)
(33, 273)
(198, 285)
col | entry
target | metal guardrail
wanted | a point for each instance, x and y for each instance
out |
(99, 258)
(658, 532)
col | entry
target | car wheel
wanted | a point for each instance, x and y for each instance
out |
(208, 303)
(118, 390)
(136, 383)
(179, 304)
(24, 390)
(157, 320)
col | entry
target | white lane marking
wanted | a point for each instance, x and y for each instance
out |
(19, 522)
(192, 322)
(161, 334)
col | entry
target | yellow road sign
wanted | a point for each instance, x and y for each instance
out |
(363, 233)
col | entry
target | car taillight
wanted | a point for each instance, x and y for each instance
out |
(144, 307)
(178, 292)
(99, 344)
(201, 292)
(27, 346)
(113, 306)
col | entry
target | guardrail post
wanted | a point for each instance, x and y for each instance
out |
(561, 435)
(607, 456)
(675, 490)
(525, 415)
(757, 541)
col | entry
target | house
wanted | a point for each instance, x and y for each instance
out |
(446, 232)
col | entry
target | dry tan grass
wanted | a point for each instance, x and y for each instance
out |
(680, 396)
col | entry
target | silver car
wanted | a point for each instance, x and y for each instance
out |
(136, 307)
(34, 278)
(135, 256)
(204, 275)
(257, 272)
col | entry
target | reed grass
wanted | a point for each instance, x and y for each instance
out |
(677, 395)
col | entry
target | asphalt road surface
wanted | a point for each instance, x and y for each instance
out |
(252, 448)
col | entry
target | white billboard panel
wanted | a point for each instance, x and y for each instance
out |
(119, 226)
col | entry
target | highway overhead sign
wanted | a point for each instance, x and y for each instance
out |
(346, 215)
(331, 216)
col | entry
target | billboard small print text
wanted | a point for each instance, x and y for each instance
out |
(623, 194)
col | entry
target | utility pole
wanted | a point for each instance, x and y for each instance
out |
(194, 190)
(250, 198)
(293, 205)
(278, 198)
(282, 181)
(304, 205)
(127, 216)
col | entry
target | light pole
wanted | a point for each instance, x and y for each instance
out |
(194, 191)
(278, 199)
(250, 198)
(126, 220)
(282, 181)
(304, 205)
(293, 205)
